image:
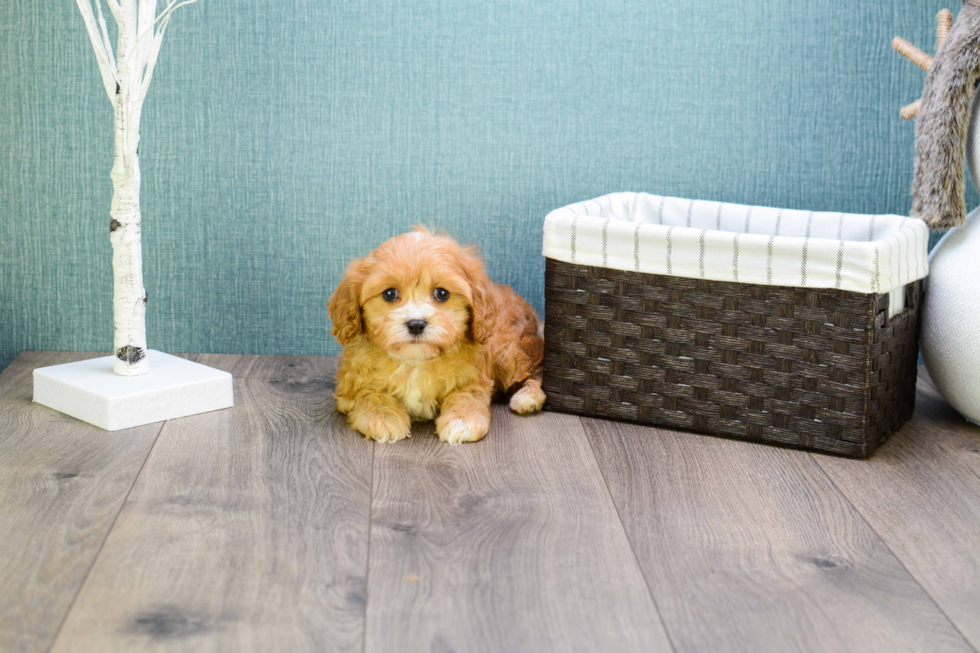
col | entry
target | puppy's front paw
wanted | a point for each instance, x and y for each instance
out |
(529, 399)
(457, 427)
(382, 424)
(344, 404)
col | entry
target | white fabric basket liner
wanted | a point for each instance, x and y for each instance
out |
(732, 242)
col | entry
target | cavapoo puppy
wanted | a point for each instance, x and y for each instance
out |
(427, 335)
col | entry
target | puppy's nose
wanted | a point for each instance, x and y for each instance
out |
(416, 327)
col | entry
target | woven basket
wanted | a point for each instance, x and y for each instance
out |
(824, 369)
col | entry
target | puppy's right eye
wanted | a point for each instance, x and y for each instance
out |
(389, 295)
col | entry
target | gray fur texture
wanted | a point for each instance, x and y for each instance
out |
(940, 131)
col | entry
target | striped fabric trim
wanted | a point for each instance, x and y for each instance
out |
(784, 247)
(898, 257)
(636, 248)
(908, 264)
(840, 250)
(735, 257)
(806, 248)
(574, 225)
(876, 277)
(605, 243)
(772, 239)
(704, 232)
(840, 263)
(908, 252)
(890, 277)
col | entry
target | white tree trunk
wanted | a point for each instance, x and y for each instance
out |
(128, 295)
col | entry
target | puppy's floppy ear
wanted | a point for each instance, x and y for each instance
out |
(483, 308)
(483, 311)
(344, 306)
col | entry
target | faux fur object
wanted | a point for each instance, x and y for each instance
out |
(940, 135)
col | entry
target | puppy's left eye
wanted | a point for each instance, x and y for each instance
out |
(390, 295)
(441, 294)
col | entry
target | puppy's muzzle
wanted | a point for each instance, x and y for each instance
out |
(416, 327)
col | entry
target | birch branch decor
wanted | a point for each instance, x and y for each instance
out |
(126, 76)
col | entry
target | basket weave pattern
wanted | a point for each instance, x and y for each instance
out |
(812, 368)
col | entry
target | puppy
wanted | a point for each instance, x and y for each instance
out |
(427, 335)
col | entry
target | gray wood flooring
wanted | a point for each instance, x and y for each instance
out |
(273, 527)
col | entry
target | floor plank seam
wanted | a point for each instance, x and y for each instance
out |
(891, 551)
(95, 558)
(626, 534)
(367, 565)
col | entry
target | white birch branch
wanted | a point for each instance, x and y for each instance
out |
(172, 7)
(114, 8)
(153, 50)
(107, 67)
(145, 22)
(105, 35)
(154, 53)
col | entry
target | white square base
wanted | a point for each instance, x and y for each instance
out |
(174, 387)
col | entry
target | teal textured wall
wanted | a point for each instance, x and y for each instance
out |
(282, 139)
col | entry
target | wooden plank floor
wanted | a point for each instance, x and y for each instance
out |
(272, 527)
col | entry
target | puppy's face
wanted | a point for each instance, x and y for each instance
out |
(414, 313)
(415, 297)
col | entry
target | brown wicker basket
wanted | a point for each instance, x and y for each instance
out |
(820, 369)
